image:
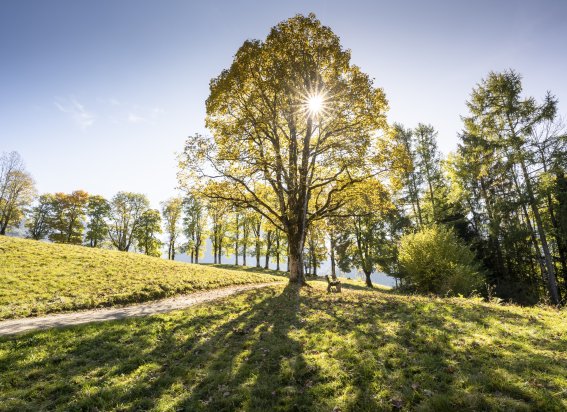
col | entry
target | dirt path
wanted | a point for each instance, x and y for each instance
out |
(9, 327)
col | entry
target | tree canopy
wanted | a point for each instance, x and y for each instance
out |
(294, 123)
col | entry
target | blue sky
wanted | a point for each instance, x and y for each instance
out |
(100, 95)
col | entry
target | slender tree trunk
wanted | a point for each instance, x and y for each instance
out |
(561, 196)
(432, 197)
(532, 232)
(278, 251)
(493, 230)
(418, 205)
(236, 253)
(268, 249)
(551, 279)
(258, 253)
(559, 240)
(314, 265)
(244, 251)
(332, 257)
(368, 280)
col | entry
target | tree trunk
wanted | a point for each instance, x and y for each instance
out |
(493, 230)
(244, 254)
(368, 280)
(278, 251)
(236, 253)
(257, 253)
(237, 238)
(269, 241)
(551, 280)
(561, 196)
(295, 257)
(532, 232)
(333, 262)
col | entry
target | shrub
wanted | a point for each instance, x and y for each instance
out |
(434, 260)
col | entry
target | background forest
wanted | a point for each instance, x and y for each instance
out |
(490, 217)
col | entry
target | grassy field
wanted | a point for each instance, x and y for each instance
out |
(280, 349)
(38, 278)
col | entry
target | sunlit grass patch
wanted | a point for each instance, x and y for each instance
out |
(38, 278)
(280, 349)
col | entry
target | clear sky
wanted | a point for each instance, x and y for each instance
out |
(100, 95)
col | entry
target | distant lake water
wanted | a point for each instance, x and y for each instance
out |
(325, 269)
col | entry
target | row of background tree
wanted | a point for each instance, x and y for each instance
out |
(503, 194)
(127, 223)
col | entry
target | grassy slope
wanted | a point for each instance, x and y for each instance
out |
(38, 278)
(272, 349)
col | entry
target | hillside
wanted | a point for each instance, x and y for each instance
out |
(38, 277)
(277, 349)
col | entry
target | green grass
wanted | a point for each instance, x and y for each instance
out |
(280, 349)
(38, 278)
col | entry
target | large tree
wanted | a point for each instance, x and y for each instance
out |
(98, 210)
(496, 145)
(68, 217)
(218, 212)
(406, 176)
(367, 236)
(38, 219)
(126, 209)
(172, 210)
(17, 190)
(294, 123)
(429, 166)
(194, 222)
(147, 231)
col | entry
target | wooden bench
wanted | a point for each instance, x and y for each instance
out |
(333, 285)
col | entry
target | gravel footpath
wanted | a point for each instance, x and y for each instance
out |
(12, 326)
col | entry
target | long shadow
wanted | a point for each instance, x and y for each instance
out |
(271, 369)
(272, 375)
(440, 349)
(283, 349)
(431, 360)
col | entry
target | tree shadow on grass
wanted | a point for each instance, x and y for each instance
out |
(283, 349)
(214, 362)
